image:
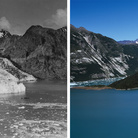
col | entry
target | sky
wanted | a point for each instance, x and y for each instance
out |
(17, 16)
(117, 19)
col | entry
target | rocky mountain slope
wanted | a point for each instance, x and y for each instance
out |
(41, 52)
(94, 56)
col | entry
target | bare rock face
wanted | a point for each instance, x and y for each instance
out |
(41, 52)
(94, 56)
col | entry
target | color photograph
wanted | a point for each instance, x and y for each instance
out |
(104, 68)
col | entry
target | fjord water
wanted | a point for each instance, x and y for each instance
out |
(40, 112)
(104, 113)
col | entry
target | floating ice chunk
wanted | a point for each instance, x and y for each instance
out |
(22, 107)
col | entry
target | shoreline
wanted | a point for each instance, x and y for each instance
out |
(101, 88)
(92, 88)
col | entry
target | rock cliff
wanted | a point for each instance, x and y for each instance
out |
(94, 56)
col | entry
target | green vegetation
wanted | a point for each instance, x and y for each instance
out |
(127, 83)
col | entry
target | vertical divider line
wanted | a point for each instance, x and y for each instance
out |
(68, 68)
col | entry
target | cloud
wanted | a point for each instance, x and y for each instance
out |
(14, 28)
(4, 24)
(18, 28)
(57, 20)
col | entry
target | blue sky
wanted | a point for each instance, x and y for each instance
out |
(117, 19)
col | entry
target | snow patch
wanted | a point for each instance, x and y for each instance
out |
(119, 64)
(79, 50)
(74, 35)
(88, 41)
(72, 53)
(84, 60)
(1, 34)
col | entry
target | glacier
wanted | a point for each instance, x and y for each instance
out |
(9, 67)
(11, 77)
(9, 83)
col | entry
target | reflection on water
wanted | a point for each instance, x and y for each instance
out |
(41, 111)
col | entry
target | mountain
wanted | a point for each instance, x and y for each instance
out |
(127, 83)
(128, 42)
(94, 56)
(41, 52)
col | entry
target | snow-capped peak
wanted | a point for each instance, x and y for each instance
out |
(1, 34)
(136, 42)
(4, 33)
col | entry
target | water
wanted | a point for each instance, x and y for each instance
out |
(40, 112)
(106, 81)
(104, 113)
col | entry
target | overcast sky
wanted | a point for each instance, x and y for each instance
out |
(18, 15)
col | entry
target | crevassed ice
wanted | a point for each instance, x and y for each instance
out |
(27, 77)
(9, 83)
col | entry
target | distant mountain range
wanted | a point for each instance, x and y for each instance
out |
(41, 52)
(128, 42)
(94, 56)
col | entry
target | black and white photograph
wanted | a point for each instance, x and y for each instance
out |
(33, 68)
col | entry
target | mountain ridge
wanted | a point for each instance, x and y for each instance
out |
(94, 56)
(41, 51)
(128, 42)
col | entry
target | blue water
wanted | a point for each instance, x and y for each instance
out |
(104, 113)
